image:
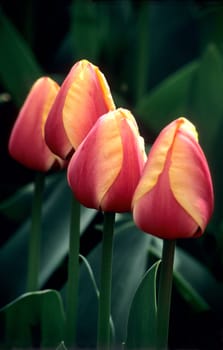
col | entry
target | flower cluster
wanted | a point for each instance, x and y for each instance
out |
(170, 193)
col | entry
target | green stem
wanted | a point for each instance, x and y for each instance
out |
(164, 294)
(104, 312)
(73, 275)
(35, 235)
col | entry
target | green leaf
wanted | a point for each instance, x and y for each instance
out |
(207, 113)
(193, 280)
(129, 265)
(91, 274)
(89, 21)
(18, 206)
(189, 293)
(18, 66)
(206, 102)
(168, 100)
(143, 313)
(32, 316)
(54, 242)
(208, 290)
(94, 284)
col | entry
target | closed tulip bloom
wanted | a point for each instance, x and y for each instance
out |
(84, 97)
(26, 143)
(106, 167)
(174, 197)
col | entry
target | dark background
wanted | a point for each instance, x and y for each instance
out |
(137, 45)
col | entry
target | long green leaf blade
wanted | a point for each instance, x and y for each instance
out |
(143, 313)
(18, 66)
(168, 100)
(32, 314)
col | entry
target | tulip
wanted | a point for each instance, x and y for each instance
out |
(106, 167)
(174, 197)
(84, 96)
(26, 143)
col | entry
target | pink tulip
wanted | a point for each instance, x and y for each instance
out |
(106, 167)
(84, 96)
(174, 197)
(26, 143)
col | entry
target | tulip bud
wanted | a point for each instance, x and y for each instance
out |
(174, 197)
(26, 143)
(106, 167)
(84, 96)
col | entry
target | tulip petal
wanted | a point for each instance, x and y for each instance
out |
(158, 212)
(105, 169)
(118, 198)
(87, 99)
(175, 186)
(84, 97)
(155, 163)
(158, 153)
(97, 162)
(26, 143)
(190, 179)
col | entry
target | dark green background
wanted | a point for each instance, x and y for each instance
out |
(162, 60)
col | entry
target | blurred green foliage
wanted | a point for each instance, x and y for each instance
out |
(162, 60)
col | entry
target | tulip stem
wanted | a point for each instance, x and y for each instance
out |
(164, 294)
(104, 337)
(73, 274)
(35, 235)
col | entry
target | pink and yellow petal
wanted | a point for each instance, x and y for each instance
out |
(190, 179)
(87, 98)
(26, 143)
(156, 162)
(84, 96)
(55, 134)
(118, 197)
(176, 186)
(158, 213)
(103, 86)
(97, 162)
(158, 154)
(53, 89)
